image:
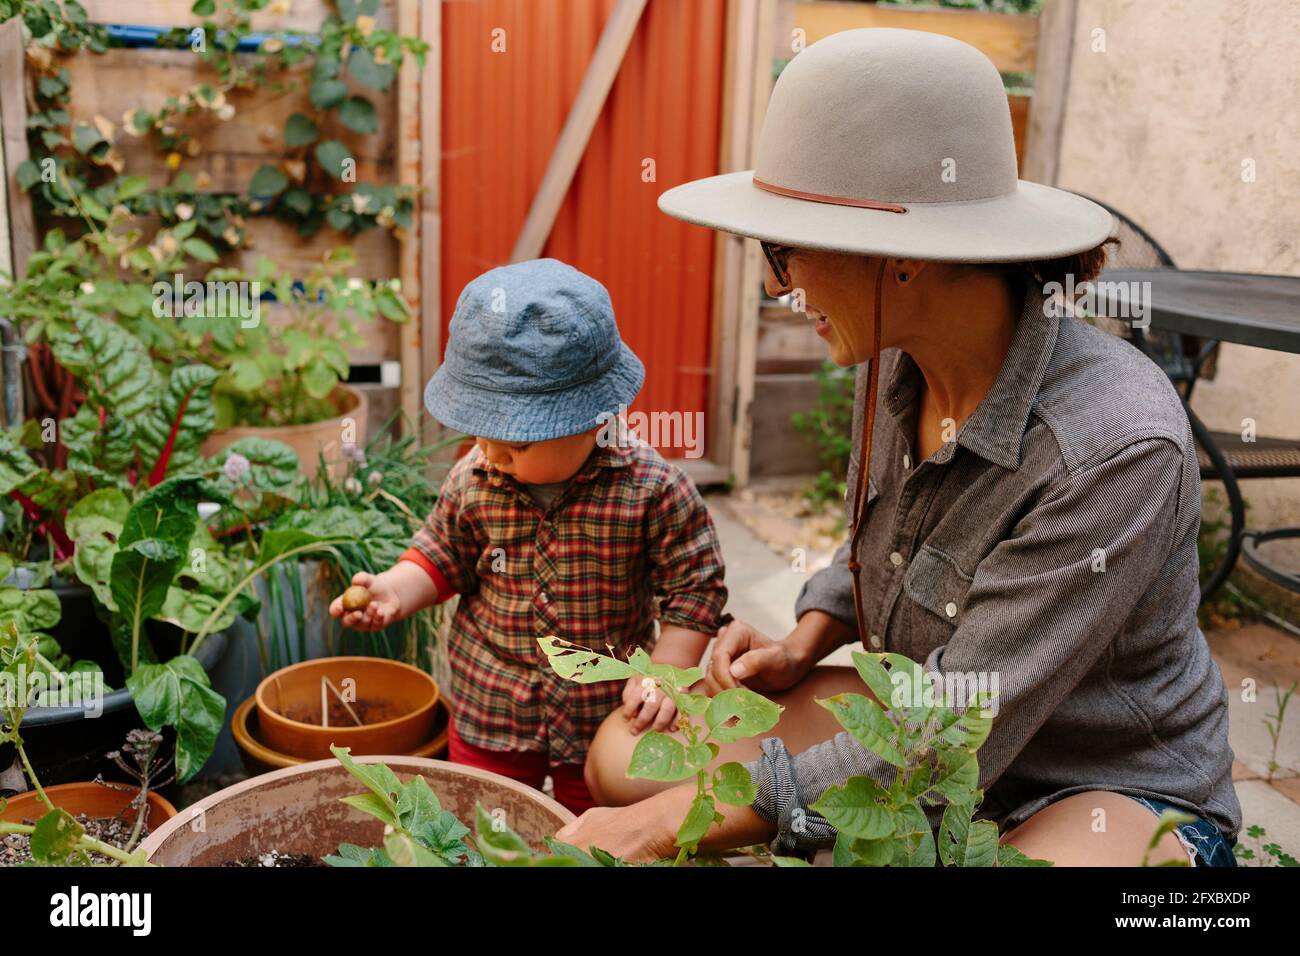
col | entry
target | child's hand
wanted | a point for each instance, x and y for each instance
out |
(385, 605)
(645, 705)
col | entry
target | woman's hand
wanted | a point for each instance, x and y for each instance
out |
(385, 605)
(635, 833)
(742, 657)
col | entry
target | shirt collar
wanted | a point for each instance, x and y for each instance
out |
(996, 428)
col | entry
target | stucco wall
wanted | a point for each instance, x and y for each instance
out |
(1158, 125)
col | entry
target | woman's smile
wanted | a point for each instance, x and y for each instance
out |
(821, 324)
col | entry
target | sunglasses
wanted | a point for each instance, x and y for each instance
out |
(778, 257)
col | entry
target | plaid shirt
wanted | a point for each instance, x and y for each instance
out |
(629, 538)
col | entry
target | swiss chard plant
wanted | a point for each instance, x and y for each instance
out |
(31, 612)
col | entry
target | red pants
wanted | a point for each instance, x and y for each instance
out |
(528, 767)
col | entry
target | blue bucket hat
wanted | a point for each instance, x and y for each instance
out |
(533, 353)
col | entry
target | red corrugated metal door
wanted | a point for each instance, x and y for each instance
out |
(502, 115)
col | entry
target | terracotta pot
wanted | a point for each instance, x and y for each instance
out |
(298, 810)
(259, 758)
(91, 799)
(308, 441)
(403, 697)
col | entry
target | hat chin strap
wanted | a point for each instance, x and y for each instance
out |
(864, 469)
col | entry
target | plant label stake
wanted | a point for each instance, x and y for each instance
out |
(326, 682)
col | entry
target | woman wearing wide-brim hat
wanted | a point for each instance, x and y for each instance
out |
(1029, 524)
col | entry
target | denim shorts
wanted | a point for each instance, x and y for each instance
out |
(1201, 838)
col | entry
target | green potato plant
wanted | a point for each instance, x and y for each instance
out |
(731, 715)
(418, 832)
(931, 749)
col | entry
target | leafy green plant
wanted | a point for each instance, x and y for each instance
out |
(419, 832)
(32, 611)
(1275, 723)
(829, 427)
(302, 189)
(1168, 822)
(394, 482)
(1261, 853)
(284, 371)
(931, 749)
(731, 715)
(56, 839)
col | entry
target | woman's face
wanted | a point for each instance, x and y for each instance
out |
(838, 295)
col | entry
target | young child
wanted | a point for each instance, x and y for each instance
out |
(549, 526)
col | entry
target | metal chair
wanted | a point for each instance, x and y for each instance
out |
(1224, 456)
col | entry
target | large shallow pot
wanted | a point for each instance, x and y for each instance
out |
(258, 758)
(93, 800)
(298, 810)
(308, 441)
(397, 702)
(68, 744)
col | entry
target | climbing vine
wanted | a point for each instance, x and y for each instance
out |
(77, 168)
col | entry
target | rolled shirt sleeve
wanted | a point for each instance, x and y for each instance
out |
(1038, 614)
(830, 590)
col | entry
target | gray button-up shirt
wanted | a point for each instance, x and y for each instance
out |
(1050, 546)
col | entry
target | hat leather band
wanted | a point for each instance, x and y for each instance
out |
(833, 200)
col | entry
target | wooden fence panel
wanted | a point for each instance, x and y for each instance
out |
(1010, 40)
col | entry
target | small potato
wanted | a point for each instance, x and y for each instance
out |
(356, 598)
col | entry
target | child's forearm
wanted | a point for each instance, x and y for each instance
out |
(414, 588)
(679, 646)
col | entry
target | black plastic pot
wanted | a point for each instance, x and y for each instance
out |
(67, 744)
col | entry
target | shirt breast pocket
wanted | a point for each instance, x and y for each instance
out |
(936, 586)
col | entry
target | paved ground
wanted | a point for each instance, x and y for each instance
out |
(1256, 658)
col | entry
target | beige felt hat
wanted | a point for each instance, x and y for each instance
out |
(892, 143)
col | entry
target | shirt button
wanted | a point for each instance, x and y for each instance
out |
(546, 598)
(896, 559)
(875, 641)
(907, 461)
(951, 609)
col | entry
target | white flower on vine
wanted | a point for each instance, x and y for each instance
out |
(237, 467)
(184, 210)
(226, 111)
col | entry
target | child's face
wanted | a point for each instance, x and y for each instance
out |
(540, 462)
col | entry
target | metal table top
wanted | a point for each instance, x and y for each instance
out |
(1240, 307)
